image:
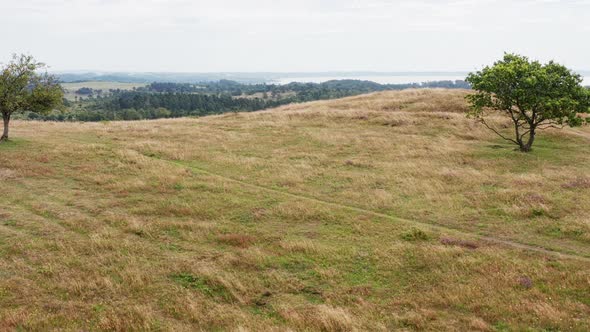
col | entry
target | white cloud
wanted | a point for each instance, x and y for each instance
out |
(304, 35)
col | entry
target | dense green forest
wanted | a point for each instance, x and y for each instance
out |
(302, 89)
(163, 100)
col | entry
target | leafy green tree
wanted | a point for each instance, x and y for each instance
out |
(534, 96)
(23, 89)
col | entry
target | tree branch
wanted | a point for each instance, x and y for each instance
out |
(523, 134)
(497, 133)
(551, 125)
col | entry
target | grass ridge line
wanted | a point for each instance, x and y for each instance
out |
(431, 226)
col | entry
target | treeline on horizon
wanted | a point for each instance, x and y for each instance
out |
(171, 100)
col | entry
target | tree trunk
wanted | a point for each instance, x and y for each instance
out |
(6, 118)
(527, 147)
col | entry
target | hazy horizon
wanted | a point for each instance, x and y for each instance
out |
(299, 73)
(272, 77)
(284, 36)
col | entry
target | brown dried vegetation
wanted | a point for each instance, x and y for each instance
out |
(224, 222)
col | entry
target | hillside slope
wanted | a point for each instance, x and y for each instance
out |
(376, 212)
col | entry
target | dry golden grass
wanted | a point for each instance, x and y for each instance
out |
(275, 220)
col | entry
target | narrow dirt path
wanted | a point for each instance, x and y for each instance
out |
(433, 227)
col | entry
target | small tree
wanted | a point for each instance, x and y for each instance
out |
(534, 96)
(23, 89)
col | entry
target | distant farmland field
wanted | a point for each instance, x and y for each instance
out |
(71, 88)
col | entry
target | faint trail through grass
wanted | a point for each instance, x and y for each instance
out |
(434, 227)
(431, 226)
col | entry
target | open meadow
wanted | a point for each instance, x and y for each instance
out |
(376, 212)
(103, 86)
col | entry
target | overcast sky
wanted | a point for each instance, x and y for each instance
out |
(295, 35)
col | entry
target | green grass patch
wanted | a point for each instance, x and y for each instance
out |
(557, 150)
(14, 144)
(415, 234)
(203, 285)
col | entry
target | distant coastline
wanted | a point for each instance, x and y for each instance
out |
(270, 78)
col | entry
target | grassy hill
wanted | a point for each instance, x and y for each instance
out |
(377, 212)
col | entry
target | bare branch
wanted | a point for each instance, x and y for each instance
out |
(551, 125)
(495, 131)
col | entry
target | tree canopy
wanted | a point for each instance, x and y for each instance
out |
(534, 96)
(165, 99)
(22, 89)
